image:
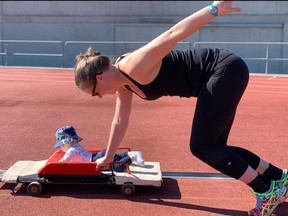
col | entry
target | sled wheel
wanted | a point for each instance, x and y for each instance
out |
(128, 189)
(34, 188)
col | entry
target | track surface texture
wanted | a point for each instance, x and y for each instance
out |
(34, 102)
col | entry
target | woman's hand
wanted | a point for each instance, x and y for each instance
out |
(102, 163)
(225, 7)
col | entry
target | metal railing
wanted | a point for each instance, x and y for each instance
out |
(108, 48)
(64, 52)
(113, 49)
(6, 44)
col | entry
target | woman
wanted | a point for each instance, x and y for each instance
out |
(216, 77)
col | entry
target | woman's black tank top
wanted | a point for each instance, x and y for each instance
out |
(181, 74)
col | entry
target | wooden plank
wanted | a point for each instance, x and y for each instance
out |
(22, 168)
(149, 175)
(2, 171)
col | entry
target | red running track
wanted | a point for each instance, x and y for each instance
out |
(36, 101)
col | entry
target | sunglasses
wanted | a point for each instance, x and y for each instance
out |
(95, 83)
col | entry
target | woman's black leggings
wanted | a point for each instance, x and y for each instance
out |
(214, 114)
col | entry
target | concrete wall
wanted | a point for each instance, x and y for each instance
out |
(133, 21)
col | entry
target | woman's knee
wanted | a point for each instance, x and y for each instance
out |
(196, 150)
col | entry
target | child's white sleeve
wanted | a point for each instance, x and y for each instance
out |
(67, 157)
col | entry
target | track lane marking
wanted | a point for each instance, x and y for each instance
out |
(196, 175)
(260, 91)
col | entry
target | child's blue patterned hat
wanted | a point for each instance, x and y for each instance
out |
(66, 135)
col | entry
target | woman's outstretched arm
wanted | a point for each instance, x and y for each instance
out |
(143, 60)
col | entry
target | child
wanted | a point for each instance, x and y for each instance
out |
(68, 142)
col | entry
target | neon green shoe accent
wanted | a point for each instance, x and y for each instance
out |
(267, 202)
(284, 179)
(283, 183)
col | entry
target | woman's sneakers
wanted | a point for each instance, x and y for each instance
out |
(283, 182)
(137, 156)
(267, 202)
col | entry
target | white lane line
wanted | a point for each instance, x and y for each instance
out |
(35, 72)
(269, 82)
(37, 80)
(259, 91)
(273, 77)
(195, 175)
(260, 86)
(37, 76)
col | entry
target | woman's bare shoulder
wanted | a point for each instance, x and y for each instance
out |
(121, 57)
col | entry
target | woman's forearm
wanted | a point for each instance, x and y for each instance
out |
(192, 23)
(117, 133)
